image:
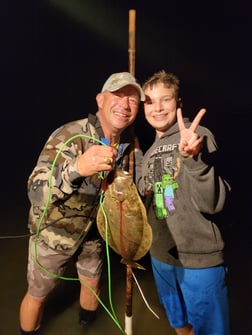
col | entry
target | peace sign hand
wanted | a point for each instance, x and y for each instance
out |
(190, 142)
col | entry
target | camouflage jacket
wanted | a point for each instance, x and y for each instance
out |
(64, 204)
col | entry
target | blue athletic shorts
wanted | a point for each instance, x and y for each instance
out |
(195, 296)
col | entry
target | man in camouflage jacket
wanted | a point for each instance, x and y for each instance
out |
(64, 190)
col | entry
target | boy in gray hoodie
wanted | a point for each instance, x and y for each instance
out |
(186, 191)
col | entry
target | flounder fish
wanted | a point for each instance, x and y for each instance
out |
(122, 220)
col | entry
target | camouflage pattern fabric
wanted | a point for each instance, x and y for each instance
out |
(70, 200)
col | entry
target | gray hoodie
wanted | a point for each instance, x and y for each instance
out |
(183, 196)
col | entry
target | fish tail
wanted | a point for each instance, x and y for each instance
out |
(132, 263)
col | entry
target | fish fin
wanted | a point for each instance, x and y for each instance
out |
(132, 263)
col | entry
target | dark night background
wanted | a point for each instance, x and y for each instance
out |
(56, 55)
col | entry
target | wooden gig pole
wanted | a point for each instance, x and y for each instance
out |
(132, 40)
(129, 276)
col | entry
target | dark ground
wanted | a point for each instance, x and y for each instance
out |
(62, 307)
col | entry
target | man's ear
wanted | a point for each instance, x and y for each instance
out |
(99, 100)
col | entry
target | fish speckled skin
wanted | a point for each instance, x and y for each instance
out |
(128, 231)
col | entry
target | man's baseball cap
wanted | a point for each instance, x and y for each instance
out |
(122, 79)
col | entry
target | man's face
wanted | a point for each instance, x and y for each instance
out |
(160, 107)
(117, 110)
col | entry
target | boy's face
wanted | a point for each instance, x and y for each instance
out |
(160, 107)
